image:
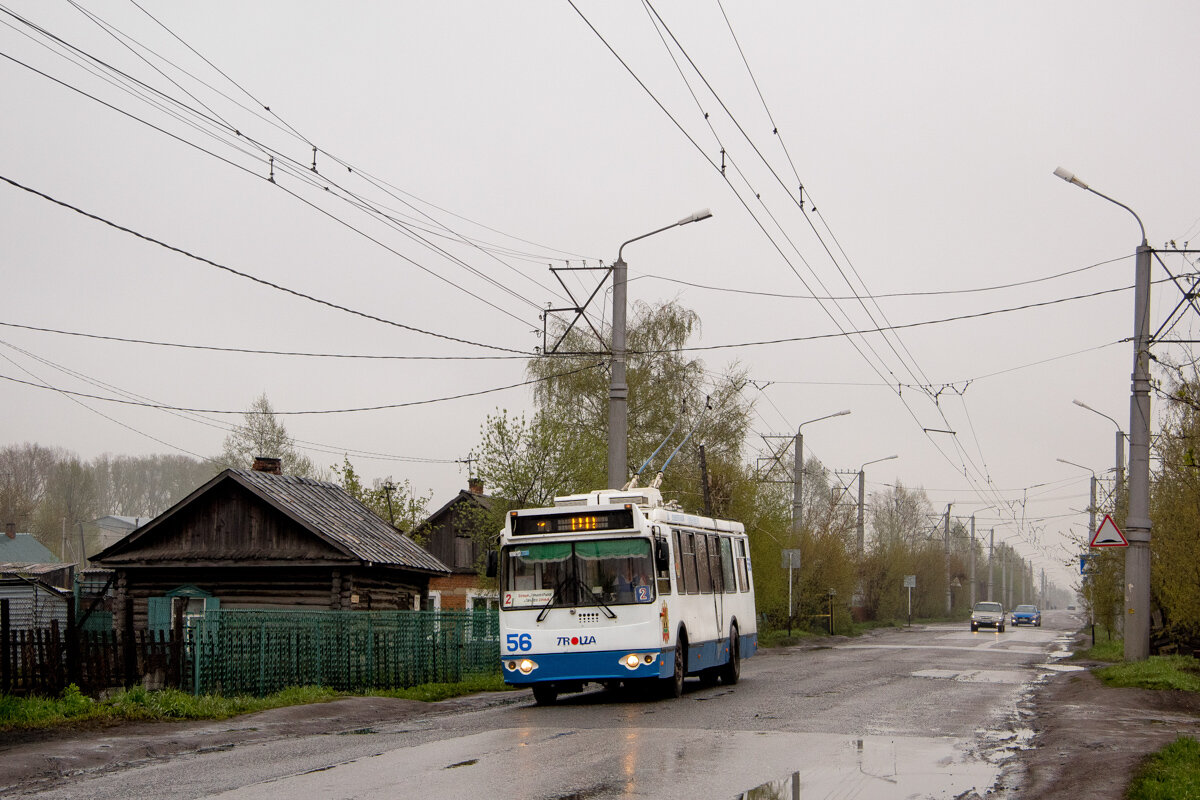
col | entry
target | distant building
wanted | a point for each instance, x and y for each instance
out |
(451, 539)
(114, 528)
(23, 555)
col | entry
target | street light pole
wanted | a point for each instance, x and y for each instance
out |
(1120, 459)
(1091, 503)
(618, 392)
(861, 498)
(798, 471)
(1137, 519)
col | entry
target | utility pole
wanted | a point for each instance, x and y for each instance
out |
(949, 596)
(991, 564)
(972, 561)
(704, 487)
(1004, 580)
(798, 484)
(862, 536)
(1092, 512)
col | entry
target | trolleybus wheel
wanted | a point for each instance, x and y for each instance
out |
(545, 694)
(673, 686)
(732, 671)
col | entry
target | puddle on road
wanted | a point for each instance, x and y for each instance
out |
(885, 767)
(1062, 667)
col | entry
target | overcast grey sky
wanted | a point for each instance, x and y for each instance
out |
(504, 136)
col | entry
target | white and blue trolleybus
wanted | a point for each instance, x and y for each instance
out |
(615, 587)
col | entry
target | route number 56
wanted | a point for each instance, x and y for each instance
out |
(520, 642)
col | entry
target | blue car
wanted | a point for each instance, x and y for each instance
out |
(1026, 615)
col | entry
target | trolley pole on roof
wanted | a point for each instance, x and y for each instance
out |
(618, 393)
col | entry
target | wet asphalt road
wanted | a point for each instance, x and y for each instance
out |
(921, 712)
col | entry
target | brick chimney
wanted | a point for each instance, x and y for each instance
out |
(265, 464)
(10, 530)
(475, 486)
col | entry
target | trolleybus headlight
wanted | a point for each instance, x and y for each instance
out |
(525, 666)
(635, 660)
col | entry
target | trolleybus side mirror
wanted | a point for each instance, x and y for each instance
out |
(492, 558)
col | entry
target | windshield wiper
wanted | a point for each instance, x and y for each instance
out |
(587, 590)
(553, 596)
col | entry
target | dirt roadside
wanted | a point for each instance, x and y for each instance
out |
(1089, 738)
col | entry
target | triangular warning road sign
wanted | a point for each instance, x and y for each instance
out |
(1109, 535)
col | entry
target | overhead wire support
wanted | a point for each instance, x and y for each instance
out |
(580, 310)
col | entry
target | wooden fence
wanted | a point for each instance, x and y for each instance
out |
(44, 660)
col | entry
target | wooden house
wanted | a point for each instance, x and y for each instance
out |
(260, 540)
(448, 535)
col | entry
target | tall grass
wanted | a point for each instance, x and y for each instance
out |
(1156, 672)
(1172, 773)
(140, 704)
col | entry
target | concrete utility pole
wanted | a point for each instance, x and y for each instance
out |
(949, 595)
(1004, 581)
(798, 478)
(1137, 520)
(991, 563)
(618, 391)
(972, 561)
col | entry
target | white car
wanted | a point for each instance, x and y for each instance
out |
(987, 614)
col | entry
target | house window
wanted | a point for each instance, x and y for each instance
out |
(464, 552)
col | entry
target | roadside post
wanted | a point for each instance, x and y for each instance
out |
(910, 583)
(832, 594)
(791, 561)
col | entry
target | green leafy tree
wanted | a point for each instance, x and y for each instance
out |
(1175, 504)
(262, 434)
(670, 395)
(396, 503)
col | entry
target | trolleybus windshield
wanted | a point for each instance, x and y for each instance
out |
(560, 574)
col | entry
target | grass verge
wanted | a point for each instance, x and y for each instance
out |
(1105, 648)
(1169, 774)
(138, 704)
(1156, 672)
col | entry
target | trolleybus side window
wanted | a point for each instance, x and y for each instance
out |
(743, 577)
(690, 582)
(714, 563)
(680, 585)
(727, 564)
(703, 570)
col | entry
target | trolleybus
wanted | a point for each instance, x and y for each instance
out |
(615, 587)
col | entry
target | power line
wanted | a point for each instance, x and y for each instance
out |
(383, 407)
(250, 277)
(254, 351)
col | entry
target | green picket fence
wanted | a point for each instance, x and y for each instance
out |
(259, 652)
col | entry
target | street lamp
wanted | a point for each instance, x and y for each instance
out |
(1120, 444)
(862, 498)
(1137, 520)
(798, 482)
(1092, 504)
(618, 393)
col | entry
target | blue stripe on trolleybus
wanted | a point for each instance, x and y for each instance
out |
(605, 665)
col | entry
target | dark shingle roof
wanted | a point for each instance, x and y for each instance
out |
(328, 511)
(24, 550)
